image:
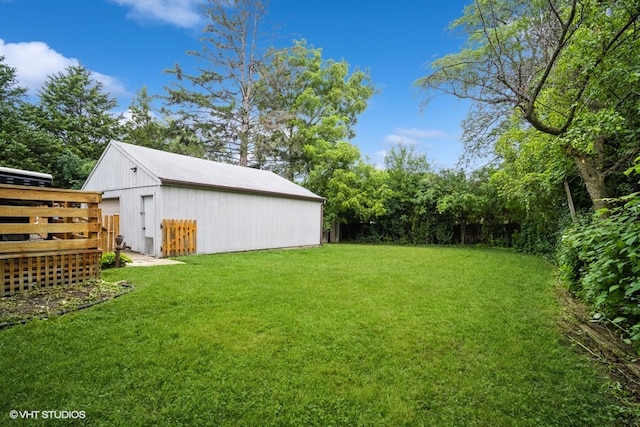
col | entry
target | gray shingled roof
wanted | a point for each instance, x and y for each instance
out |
(177, 169)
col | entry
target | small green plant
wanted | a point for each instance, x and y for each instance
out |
(109, 260)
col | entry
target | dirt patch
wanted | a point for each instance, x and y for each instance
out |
(42, 303)
(603, 342)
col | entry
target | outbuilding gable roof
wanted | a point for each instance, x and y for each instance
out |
(178, 169)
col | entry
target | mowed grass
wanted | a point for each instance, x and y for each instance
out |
(341, 335)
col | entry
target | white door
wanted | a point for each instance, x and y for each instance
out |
(148, 228)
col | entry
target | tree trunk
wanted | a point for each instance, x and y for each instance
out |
(594, 179)
(244, 140)
(572, 208)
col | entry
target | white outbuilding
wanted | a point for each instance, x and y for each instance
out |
(235, 208)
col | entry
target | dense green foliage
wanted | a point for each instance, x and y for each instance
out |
(64, 133)
(14, 144)
(563, 67)
(423, 206)
(308, 105)
(600, 261)
(76, 115)
(339, 335)
(308, 108)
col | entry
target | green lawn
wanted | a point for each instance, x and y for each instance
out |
(341, 335)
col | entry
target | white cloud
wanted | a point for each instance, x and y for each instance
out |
(400, 139)
(421, 133)
(35, 61)
(181, 13)
(378, 159)
(111, 84)
(414, 136)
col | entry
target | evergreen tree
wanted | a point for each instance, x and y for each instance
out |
(22, 145)
(217, 102)
(76, 112)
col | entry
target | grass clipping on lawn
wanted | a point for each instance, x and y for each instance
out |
(46, 302)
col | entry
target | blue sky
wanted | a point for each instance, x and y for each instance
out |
(128, 43)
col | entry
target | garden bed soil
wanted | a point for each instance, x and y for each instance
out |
(43, 303)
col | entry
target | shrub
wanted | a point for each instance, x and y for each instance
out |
(600, 262)
(109, 260)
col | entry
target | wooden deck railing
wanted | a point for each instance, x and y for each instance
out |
(48, 237)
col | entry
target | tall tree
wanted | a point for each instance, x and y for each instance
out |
(22, 145)
(308, 110)
(78, 114)
(143, 127)
(459, 202)
(406, 218)
(567, 66)
(218, 100)
(306, 100)
(355, 190)
(149, 127)
(13, 151)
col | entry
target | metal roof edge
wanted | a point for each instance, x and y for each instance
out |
(178, 183)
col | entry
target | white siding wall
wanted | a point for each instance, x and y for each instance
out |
(230, 222)
(115, 172)
(116, 179)
(131, 219)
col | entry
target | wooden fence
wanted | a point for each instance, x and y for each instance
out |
(178, 237)
(110, 229)
(48, 237)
